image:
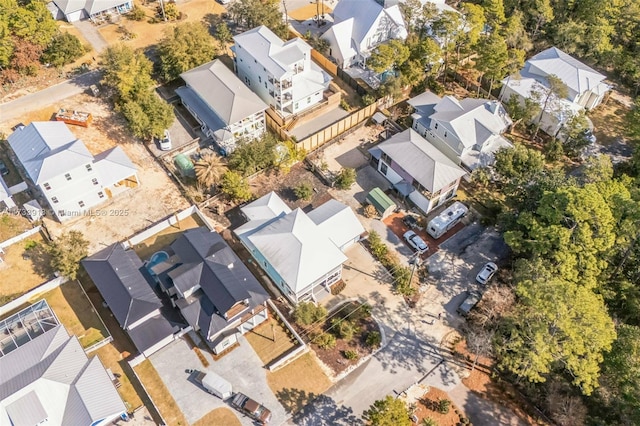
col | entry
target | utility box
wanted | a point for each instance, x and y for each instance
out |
(214, 384)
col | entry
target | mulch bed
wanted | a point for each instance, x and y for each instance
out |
(427, 407)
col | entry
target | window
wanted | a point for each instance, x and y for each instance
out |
(101, 194)
(255, 61)
(54, 199)
(436, 127)
(386, 158)
(259, 79)
(265, 84)
(445, 134)
(383, 168)
(89, 168)
(94, 181)
(67, 176)
(309, 100)
(47, 186)
(81, 203)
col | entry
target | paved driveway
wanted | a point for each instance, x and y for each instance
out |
(241, 367)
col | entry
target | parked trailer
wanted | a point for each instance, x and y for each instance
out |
(446, 220)
(214, 384)
(77, 118)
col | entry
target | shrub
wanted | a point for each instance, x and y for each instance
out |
(325, 341)
(307, 313)
(363, 312)
(368, 99)
(304, 191)
(345, 105)
(346, 178)
(350, 354)
(343, 328)
(63, 49)
(235, 187)
(338, 287)
(428, 421)
(378, 248)
(370, 211)
(374, 339)
(30, 244)
(443, 406)
(136, 14)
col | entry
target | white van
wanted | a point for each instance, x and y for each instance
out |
(446, 220)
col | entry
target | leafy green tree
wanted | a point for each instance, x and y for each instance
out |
(514, 32)
(575, 132)
(387, 412)
(6, 44)
(126, 71)
(558, 326)
(64, 49)
(346, 178)
(426, 52)
(159, 113)
(184, 47)
(392, 87)
(518, 166)
(492, 58)
(169, 11)
(389, 55)
(136, 14)
(223, 35)
(620, 379)
(235, 187)
(32, 22)
(66, 252)
(253, 13)
(553, 150)
(494, 12)
(307, 313)
(521, 113)
(303, 191)
(474, 22)
(448, 28)
(252, 156)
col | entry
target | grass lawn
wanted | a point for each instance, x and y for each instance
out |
(160, 394)
(75, 312)
(23, 269)
(12, 225)
(609, 121)
(261, 338)
(219, 416)
(168, 235)
(298, 382)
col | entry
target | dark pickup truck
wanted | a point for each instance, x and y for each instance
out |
(248, 406)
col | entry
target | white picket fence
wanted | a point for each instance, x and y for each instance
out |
(32, 294)
(17, 238)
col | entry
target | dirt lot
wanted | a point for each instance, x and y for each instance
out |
(609, 121)
(155, 198)
(148, 34)
(270, 340)
(427, 407)
(168, 235)
(24, 269)
(219, 416)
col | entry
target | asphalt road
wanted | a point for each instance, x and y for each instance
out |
(11, 111)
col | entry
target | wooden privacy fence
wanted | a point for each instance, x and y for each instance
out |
(334, 130)
(324, 62)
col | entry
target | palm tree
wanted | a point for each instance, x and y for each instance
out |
(209, 169)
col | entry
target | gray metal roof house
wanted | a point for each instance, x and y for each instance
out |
(51, 380)
(121, 278)
(225, 107)
(214, 290)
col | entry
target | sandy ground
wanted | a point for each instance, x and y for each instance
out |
(147, 34)
(127, 213)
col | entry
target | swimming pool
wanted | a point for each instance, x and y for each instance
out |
(156, 258)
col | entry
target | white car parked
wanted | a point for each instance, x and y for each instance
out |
(486, 273)
(415, 241)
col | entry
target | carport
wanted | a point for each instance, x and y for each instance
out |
(383, 204)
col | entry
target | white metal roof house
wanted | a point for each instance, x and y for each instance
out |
(359, 26)
(224, 106)
(5, 196)
(68, 175)
(48, 379)
(302, 253)
(586, 87)
(280, 72)
(76, 10)
(417, 169)
(468, 131)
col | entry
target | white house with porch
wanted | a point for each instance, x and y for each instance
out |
(76, 10)
(66, 173)
(585, 87)
(359, 26)
(301, 253)
(280, 72)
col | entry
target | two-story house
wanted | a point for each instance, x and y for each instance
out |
(281, 73)
(301, 253)
(359, 26)
(215, 292)
(585, 87)
(70, 178)
(468, 131)
(417, 169)
(224, 106)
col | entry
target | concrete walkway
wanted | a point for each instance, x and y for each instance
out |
(92, 35)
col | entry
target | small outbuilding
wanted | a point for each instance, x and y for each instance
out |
(383, 204)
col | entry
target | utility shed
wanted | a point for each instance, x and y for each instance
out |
(383, 204)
